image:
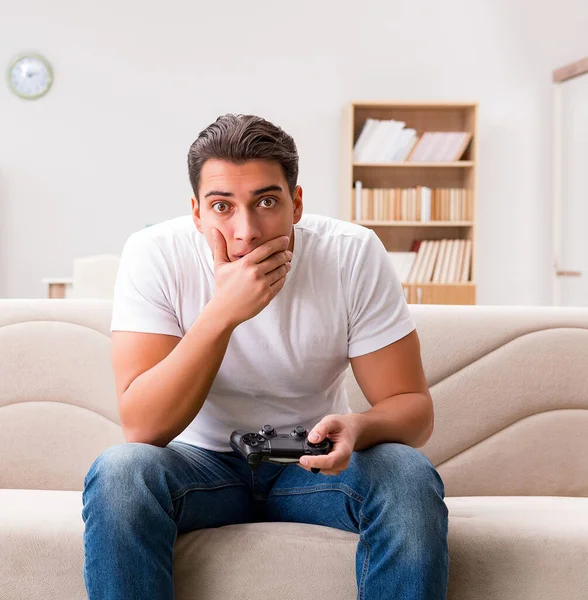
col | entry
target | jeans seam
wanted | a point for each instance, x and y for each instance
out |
(366, 562)
(193, 488)
(322, 488)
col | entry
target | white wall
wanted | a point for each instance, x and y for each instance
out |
(104, 153)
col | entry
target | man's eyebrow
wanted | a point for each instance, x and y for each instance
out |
(217, 193)
(267, 188)
(264, 190)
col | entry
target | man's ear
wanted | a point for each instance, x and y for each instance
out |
(298, 207)
(196, 213)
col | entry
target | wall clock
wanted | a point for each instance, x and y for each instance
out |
(30, 76)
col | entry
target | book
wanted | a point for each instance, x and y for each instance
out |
(364, 135)
(358, 191)
(378, 141)
(446, 261)
(465, 271)
(402, 263)
(459, 260)
(434, 251)
(460, 146)
(391, 141)
(439, 262)
(406, 141)
(412, 277)
(440, 146)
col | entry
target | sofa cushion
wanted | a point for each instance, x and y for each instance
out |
(528, 548)
(523, 548)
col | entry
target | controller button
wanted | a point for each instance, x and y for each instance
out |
(324, 445)
(298, 432)
(268, 430)
(253, 443)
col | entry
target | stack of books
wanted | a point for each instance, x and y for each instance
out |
(434, 261)
(420, 203)
(440, 146)
(382, 141)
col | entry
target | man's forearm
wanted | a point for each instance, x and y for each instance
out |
(406, 418)
(160, 403)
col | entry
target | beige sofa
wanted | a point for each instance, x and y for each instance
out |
(510, 386)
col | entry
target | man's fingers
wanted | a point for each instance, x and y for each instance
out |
(271, 247)
(277, 274)
(220, 247)
(275, 261)
(325, 461)
(315, 436)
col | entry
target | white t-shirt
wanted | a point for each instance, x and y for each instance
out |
(285, 366)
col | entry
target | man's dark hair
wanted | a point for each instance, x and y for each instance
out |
(239, 138)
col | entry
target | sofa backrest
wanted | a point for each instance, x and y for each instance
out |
(509, 384)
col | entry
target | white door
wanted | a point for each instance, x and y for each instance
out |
(571, 193)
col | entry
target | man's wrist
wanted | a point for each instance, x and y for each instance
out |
(357, 423)
(218, 313)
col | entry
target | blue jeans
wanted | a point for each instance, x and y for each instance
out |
(138, 497)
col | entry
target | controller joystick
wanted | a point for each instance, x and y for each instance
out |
(298, 432)
(267, 431)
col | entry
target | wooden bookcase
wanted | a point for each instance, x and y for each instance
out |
(396, 235)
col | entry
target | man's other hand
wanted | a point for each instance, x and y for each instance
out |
(342, 431)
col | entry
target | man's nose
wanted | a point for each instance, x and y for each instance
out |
(246, 229)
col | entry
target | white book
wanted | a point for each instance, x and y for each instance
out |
(444, 153)
(420, 148)
(402, 263)
(392, 141)
(414, 140)
(358, 188)
(424, 250)
(425, 201)
(465, 270)
(439, 262)
(434, 251)
(366, 133)
(416, 264)
(459, 260)
(452, 270)
(374, 143)
(405, 141)
(433, 147)
(456, 143)
(446, 262)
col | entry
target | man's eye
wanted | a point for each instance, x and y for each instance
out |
(268, 202)
(220, 207)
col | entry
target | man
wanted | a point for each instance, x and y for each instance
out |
(243, 314)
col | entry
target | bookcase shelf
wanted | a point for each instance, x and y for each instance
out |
(427, 165)
(415, 223)
(398, 236)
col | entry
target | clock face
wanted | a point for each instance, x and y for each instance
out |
(30, 77)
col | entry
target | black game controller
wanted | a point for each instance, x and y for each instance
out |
(269, 446)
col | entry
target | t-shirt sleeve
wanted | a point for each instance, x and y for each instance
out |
(144, 290)
(378, 311)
